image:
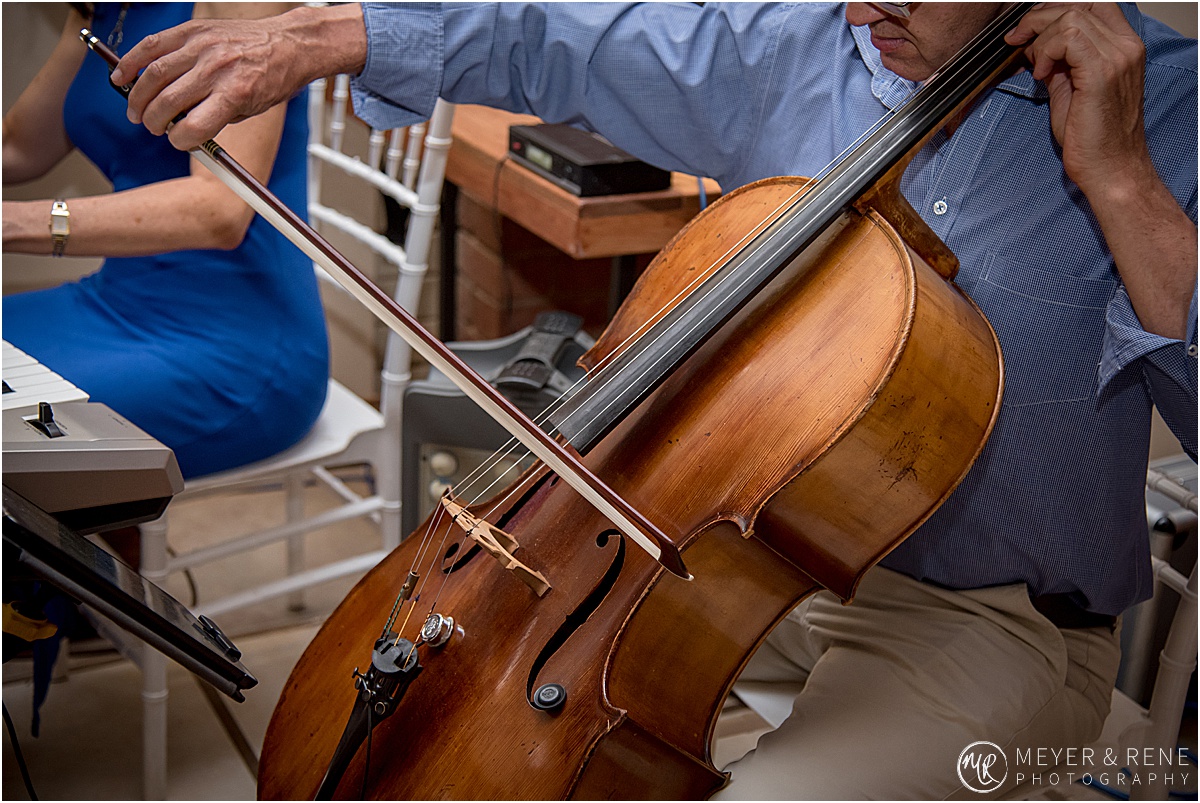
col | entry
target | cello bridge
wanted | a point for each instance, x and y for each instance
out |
(497, 543)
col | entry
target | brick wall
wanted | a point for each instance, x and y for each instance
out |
(507, 275)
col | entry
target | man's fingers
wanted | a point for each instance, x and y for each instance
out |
(158, 97)
(204, 122)
(1069, 35)
(163, 109)
(189, 133)
(1084, 39)
(157, 62)
(1034, 22)
(149, 49)
(1073, 38)
(138, 57)
(215, 71)
(1044, 15)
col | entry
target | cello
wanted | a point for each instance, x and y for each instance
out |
(792, 387)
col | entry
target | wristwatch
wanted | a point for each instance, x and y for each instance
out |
(60, 226)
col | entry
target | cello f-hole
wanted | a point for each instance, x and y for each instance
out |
(550, 696)
(449, 565)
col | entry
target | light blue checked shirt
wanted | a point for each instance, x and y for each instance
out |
(739, 92)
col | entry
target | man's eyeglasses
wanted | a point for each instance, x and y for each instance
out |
(894, 9)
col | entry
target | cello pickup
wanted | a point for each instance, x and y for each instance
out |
(497, 543)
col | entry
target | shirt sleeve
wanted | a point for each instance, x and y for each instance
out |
(1168, 365)
(679, 85)
(402, 76)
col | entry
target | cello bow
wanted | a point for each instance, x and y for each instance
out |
(565, 464)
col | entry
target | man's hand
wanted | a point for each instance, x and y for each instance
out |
(1093, 65)
(222, 71)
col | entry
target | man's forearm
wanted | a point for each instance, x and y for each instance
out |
(1153, 243)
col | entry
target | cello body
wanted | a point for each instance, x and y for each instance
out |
(815, 430)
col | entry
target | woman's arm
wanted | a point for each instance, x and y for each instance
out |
(35, 138)
(196, 211)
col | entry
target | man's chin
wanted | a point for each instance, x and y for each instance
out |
(904, 67)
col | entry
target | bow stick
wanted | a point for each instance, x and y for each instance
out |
(563, 463)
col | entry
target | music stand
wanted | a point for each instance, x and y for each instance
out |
(57, 553)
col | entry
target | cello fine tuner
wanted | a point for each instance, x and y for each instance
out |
(410, 583)
(437, 629)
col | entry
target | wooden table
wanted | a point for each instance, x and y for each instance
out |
(615, 226)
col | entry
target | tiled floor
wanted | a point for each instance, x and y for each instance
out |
(90, 745)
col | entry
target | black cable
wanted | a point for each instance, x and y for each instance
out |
(187, 575)
(367, 764)
(12, 735)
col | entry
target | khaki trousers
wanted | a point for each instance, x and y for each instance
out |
(899, 683)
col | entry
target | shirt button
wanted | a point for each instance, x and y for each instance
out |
(940, 207)
(1192, 350)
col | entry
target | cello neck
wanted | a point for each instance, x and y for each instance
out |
(872, 167)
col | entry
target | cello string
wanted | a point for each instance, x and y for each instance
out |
(644, 329)
(717, 264)
(701, 321)
(426, 540)
(723, 283)
(908, 108)
(630, 341)
(731, 278)
(646, 326)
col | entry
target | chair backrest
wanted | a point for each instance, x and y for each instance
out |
(406, 165)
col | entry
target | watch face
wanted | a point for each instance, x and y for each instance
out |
(60, 219)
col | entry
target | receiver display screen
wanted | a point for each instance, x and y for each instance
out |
(539, 157)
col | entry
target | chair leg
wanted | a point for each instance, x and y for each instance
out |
(389, 522)
(294, 508)
(387, 485)
(154, 672)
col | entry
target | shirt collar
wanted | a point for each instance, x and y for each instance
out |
(892, 90)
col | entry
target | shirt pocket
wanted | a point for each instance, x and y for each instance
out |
(1051, 329)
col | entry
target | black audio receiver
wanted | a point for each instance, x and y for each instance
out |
(582, 163)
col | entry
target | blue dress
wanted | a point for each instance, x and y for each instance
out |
(221, 355)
